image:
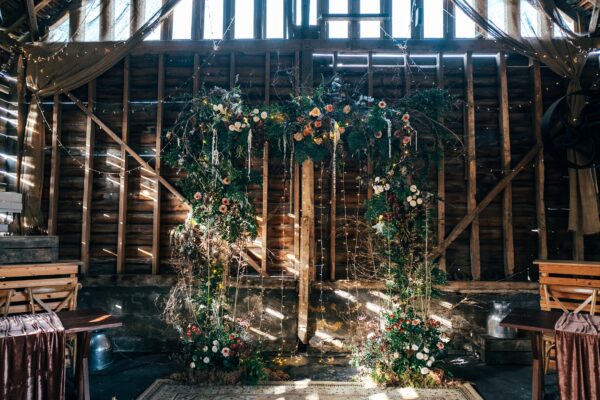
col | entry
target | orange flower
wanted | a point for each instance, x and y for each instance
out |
(341, 129)
(225, 201)
(315, 112)
(308, 130)
(329, 108)
(298, 136)
(223, 208)
(226, 181)
(318, 140)
(347, 109)
(318, 124)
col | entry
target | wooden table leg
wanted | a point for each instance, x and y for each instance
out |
(537, 349)
(82, 376)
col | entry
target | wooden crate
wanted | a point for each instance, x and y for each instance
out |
(11, 202)
(494, 351)
(28, 249)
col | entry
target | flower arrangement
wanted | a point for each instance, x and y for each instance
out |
(405, 352)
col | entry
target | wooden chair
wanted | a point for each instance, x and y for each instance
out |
(5, 297)
(53, 298)
(569, 286)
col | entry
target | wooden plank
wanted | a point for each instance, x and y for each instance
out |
(45, 254)
(474, 247)
(22, 19)
(267, 77)
(27, 242)
(306, 247)
(197, 20)
(157, 166)
(540, 168)
(20, 296)
(33, 25)
(265, 210)
(472, 215)
(44, 269)
(232, 75)
(37, 283)
(568, 263)
(332, 222)
(107, 18)
(106, 129)
(54, 166)
(504, 126)
(296, 189)
(123, 175)
(441, 172)
(578, 282)
(88, 182)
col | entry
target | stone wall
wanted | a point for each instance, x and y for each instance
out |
(338, 315)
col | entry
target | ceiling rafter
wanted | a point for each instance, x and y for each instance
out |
(33, 25)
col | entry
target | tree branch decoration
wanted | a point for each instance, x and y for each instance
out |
(212, 144)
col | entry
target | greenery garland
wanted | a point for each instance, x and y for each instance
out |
(212, 144)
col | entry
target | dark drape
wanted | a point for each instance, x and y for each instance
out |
(578, 356)
(32, 357)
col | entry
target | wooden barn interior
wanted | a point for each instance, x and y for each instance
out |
(92, 205)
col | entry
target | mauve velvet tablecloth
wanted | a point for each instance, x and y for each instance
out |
(32, 357)
(578, 356)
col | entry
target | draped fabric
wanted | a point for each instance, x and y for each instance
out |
(32, 357)
(565, 56)
(578, 356)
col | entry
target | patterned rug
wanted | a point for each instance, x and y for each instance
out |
(164, 389)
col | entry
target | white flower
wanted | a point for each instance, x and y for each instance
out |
(419, 201)
(215, 349)
(263, 115)
(432, 359)
(419, 356)
(215, 108)
(238, 124)
(413, 203)
(255, 111)
(225, 351)
(205, 349)
(256, 119)
(215, 343)
(220, 107)
(444, 338)
(396, 355)
(232, 128)
(402, 315)
(413, 188)
(377, 189)
(387, 186)
(192, 365)
(377, 179)
(424, 370)
(425, 356)
(426, 349)
(429, 363)
(409, 199)
(414, 347)
(206, 360)
(418, 192)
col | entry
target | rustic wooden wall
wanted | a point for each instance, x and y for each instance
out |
(266, 76)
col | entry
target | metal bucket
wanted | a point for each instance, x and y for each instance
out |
(500, 309)
(100, 351)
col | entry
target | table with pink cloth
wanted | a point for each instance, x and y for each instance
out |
(578, 356)
(32, 357)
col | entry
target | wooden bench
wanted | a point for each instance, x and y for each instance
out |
(31, 288)
(568, 286)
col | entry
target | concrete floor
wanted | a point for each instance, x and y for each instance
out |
(131, 374)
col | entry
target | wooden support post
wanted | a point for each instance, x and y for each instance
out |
(33, 25)
(76, 26)
(296, 216)
(267, 78)
(54, 166)
(106, 129)
(407, 74)
(472, 215)
(260, 16)
(482, 8)
(386, 24)
(124, 175)
(21, 90)
(265, 211)
(306, 247)
(332, 223)
(107, 18)
(471, 166)
(513, 18)
(354, 32)
(540, 169)
(504, 126)
(228, 19)
(324, 9)
(417, 31)
(166, 28)
(449, 20)
(137, 15)
(370, 74)
(196, 74)
(297, 74)
(157, 186)
(198, 19)
(441, 172)
(88, 182)
(232, 76)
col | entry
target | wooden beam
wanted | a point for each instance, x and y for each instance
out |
(267, 78)
(504, 126)
(296, 189)
(594, 18)
(306, 247)
(513, 18)
(157, 166)
(88, 182)
(33, 25)
(166, 27)
(232, 77)
(482, 8)
(21, 90)
(333, 220)
(124, 175)
(76, 26)
(472, 215)
(137, 15)
(198, 20)
(474, 247)
(441, 172)
(105, 128)
(107, 20)
(540, 168)
(54, 167)
(265, 210)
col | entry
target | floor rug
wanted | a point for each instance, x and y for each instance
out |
(164, 389)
